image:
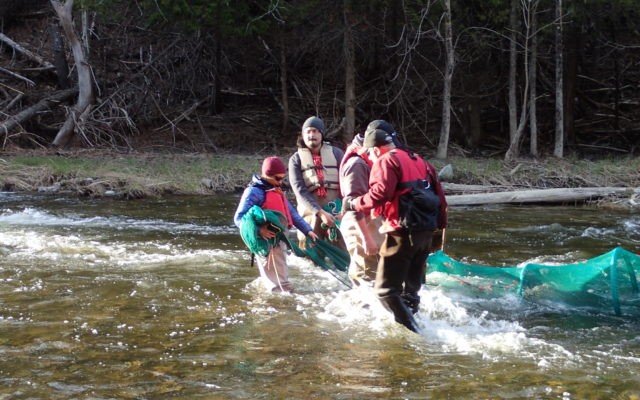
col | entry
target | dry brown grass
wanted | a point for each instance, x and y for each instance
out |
(100, 173)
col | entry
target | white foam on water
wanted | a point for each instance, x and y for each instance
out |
(309, 278)
(631, 227)
(356, 307)
(261, 304)
(34, 217)
(311, 283)
(553, 227)
(597, 233)
(451, 324)
(448, 324)
(552, 260)
(25, 244)
(443, 321)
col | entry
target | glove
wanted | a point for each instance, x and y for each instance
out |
(347, 204)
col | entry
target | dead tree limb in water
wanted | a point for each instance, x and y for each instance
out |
(85, 85)
(26, 114)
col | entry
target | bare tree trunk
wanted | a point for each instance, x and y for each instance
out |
(558, 150)
(474, 132)
(59, 58)
(283, 83)
(350, 77)
(533, 65)
(572, 52)
(85, 86)
(445, 129)
(513, 111)
(217, 100)
(616, 74)
(514, 146)
(85, 31)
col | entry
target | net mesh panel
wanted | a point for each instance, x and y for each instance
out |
(606, 281)
(250, 226)
(321, 252)
(338, 257)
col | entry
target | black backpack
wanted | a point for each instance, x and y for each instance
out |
(419, 208)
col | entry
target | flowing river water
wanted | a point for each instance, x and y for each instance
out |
(156, 299)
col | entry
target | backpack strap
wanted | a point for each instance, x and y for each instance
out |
(417, 184)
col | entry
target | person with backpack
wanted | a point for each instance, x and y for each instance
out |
(403, 189)
(265, 191)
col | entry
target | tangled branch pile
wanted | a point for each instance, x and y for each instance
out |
(210, 75)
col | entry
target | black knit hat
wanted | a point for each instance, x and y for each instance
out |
(378, 133)
(314, 122)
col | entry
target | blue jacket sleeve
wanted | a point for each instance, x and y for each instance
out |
(298, 221)
(250, 197)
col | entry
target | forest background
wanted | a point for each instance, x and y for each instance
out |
(525, 81)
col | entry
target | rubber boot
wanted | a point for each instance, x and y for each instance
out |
(412, 301)
(402, 314)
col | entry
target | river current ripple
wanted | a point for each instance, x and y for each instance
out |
(157, 299)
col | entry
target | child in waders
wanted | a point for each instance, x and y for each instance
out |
(266, 192)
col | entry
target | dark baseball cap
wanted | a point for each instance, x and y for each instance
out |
(378, 133)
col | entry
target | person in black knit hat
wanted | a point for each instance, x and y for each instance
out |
(313, 176)
(396, 174)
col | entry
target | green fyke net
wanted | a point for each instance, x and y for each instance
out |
(606, 281)
(321, 252)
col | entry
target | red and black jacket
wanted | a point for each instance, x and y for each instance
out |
(390, 178)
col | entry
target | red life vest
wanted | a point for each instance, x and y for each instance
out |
(274, 200)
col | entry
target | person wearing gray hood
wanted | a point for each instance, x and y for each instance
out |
(359, 230)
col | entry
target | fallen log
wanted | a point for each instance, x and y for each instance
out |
(464, 189)
(28, 113)
(559, 195)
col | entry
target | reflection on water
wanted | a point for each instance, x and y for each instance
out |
(156, 299)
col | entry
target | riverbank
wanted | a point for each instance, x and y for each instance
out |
(132, 175)
(137, 175)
